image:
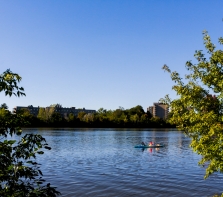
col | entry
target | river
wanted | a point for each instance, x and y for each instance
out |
(104, 162)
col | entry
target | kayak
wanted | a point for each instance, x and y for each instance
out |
(151, 146)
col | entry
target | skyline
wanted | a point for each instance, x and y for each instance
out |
(97, 54)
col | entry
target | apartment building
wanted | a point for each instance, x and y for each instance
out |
(33, 110)
(159, 109)
(64, 111)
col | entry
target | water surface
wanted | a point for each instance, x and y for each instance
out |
(104, 162)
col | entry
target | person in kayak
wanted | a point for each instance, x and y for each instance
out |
(143, 144)
(151, 143)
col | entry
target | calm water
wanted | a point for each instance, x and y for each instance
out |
(104, 162)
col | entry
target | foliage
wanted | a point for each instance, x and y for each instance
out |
(81, 115)
(136, 110)
(197, 111)
(133, 117)
(8, 84)
(20, 174)
(41, 114)
(45, 114)
(4, 106)
(56, 118)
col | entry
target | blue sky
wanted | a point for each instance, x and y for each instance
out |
(101, 53)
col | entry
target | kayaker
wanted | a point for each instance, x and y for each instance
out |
(143, 143)
(150, 143)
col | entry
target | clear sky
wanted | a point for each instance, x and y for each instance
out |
(101, 53)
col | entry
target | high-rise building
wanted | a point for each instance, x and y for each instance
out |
(159, 109)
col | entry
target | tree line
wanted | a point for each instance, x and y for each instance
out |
(133, 117)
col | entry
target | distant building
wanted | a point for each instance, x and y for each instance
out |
(159, 109)
(64, 111)
(33, 110)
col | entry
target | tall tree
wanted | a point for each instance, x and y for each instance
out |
(199, 109)
(136, 110)
(20, 175)
(42, 114)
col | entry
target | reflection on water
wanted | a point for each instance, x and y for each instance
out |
(104, 162)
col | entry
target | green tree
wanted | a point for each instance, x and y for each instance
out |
(197, 111)
(45, 114)
(56, 119)
(149, 115)
(20, 175)
(144, 119)
(137, 110)
(25, 113)
(71, 117)
(101, 114)
(134, 118)
(117, 113)
(49, 111)
(4, 106)
(42, 114)
(89, 118)
(81, 115)
(157, 121)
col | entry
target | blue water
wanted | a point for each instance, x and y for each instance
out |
(104, 162)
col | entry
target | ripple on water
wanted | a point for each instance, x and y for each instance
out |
(102, 162)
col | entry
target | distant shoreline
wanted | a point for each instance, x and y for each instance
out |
(99, 127)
